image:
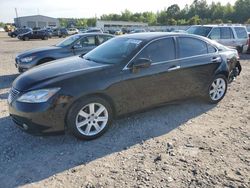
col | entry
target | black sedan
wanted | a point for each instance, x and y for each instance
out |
(123, 75)
(35, 34)
(74, 45)
(19, 31)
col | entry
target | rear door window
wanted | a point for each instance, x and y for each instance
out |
(103, 38)
(159, 51)
(226, 33)
(241, 32)
(215, 34)
(189, 47)
(88, 41)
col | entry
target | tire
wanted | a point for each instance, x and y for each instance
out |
(45, 38)
(63, 36)
(216, 90)
(89, 127)
(26, 38)
(13, 36)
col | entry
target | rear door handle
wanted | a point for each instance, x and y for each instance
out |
(216, 59)
(174, 68)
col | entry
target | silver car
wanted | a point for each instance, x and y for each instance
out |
(229, 35)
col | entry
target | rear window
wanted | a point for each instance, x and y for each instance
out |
(241, 32)
(191, 47)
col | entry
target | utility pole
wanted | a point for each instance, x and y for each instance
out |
(17, 21)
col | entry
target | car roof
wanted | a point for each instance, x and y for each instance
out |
(148, 36)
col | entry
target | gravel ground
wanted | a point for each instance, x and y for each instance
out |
(189, 144)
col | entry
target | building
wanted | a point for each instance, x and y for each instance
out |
(118, 24)
(36, 21)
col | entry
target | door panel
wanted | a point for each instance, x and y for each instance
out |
(156, 84)
(197, 65)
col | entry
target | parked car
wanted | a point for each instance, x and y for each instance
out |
(94, 30)
(73, 31)
(228, 35)
(73, 45)
(63, 32)
(125, 74)
(19, 31)
(37, 34)
(138, 31)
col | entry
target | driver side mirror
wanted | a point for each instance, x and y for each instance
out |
(141, 63)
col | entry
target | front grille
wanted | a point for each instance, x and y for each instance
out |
(13, 94)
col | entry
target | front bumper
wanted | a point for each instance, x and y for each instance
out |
(40, 118)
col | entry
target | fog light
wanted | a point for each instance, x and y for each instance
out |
(25, 126)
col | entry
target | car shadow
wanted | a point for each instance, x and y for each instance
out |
(6, 80)
(13, 40)
(26, 158)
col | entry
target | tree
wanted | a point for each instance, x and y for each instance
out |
(242, 11)
(195, 20)
(173, 11)
(248, 21)
(126, 15)
(199, 7)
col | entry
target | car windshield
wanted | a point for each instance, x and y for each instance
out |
(114, 51)
(68, 41)
(199, 30)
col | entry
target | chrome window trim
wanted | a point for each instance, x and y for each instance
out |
(177, 59)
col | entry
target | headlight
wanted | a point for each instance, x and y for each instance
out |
(27, 59)
(38, 96)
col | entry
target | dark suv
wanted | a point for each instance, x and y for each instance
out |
(19, 31)
(38, 34)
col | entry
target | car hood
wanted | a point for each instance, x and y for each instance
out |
(37, 50)
(55, 71)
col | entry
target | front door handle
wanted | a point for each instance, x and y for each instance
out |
(216, 59)
(174, 68)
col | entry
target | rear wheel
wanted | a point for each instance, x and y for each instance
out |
(26, 38)
(89, 118)
(45, 38)
(217, 89)
(13, 36)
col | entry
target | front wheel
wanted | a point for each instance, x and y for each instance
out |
(217, 89)
(89, 118)
(26, 38)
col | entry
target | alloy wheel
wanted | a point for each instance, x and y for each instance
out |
(217, 89)
(91, 119)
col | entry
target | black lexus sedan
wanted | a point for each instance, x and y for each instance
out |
(123, 75)
(74, 45)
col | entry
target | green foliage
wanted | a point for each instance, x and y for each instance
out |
(2, 24)
(199, 12)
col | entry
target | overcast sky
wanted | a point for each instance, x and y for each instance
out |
(84, 8)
